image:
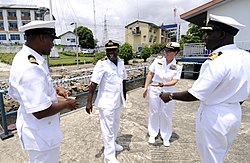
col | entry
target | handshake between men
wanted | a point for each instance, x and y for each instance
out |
(166, 96)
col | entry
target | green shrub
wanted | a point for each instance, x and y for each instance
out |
(126, 52)
(145, 53)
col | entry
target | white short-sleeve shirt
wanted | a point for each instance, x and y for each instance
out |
(164, 72)
(110, 79)
(31, 86)
(224, 79)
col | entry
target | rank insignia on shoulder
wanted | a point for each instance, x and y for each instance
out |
(159, 57)
(32, 59)
(179, 63)
(212, 56)
(159, 63)
(173, 67)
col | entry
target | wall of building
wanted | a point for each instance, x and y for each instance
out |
(147, 35)
(68, 39)
(13, 36)
(239, 10)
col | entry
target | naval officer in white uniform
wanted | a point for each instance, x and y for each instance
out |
(165, 73)
(110, 74)
(223, 84)
(31, 86)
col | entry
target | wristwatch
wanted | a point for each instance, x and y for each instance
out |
(170, 96)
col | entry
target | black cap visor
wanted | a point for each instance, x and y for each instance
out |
(217, 26)
(37, 31)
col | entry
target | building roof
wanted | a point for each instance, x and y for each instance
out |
(139, 21)
(17, 6)
(66, 33)
(198, 15)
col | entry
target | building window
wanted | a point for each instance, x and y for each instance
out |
(25, 14)
(1, 25)
(1, 14)
(136, 31)
(150, 29)
(72, 40)
(2, 37)
(13, 24)
(14, 36)
(12, 13)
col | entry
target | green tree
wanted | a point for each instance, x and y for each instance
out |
(195, 30)
(145, 53)
(126, 52)
(173, 38)
(194, 35)
(157, 48)
(86, 38)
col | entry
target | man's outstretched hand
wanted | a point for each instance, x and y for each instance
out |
(165, 96)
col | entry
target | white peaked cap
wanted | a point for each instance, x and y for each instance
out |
(37, 24)
(227, 20)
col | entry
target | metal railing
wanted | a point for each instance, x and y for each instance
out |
(6, 134)
(195, 49)
(199, 49)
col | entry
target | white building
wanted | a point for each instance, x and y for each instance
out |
(68, 38)
(13, 16)
(237, 9)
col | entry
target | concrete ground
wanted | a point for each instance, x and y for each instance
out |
(82, 141)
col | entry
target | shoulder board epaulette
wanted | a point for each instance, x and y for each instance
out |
(159, 57)
(179, 63)
(173, 67)
(212, 56)
(32, 59)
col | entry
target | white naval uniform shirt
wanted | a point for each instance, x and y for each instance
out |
(164, 72)
(31, 86)
(225, 79)
(110, 78)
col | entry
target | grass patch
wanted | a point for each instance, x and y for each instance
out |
(7, 58)
(68, 58)
(65, 58)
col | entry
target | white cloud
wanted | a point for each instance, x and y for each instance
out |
(118, 13)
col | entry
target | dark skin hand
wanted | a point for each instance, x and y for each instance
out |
(89, 105)
(55, 108)
(181, 96)
(92, 88)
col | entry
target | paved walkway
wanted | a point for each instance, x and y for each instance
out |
(82, 141)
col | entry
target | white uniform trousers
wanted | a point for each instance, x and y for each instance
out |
(48, 156)
(216, 128)
(159, 116)
(110, 123)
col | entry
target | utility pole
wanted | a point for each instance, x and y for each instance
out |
(50, 6)
(77, 63)
(105, 30)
